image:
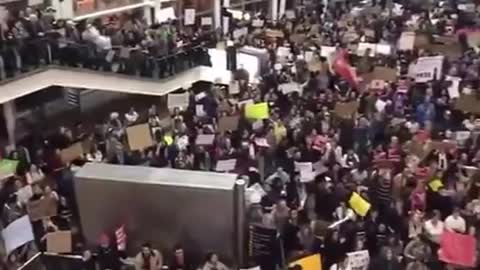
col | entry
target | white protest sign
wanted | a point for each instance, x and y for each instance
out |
(205, 139)
(234, 87)
(17, 234)
(283, 53)
(290, 87)
(453, 90)
(178, 100)
(206, 21)
(24, 194)
(363, 47)
(199, 111)
(238, 33)
(254, 193)
(262, 142)
(34, 2)
(406, 41)
(200, 96)
(165, 14)
(397, 9)
(189, 16)
(225, 24)
(308, 56)
(358, 260)
(384, 49)
(258, 23)
(380, 105)
(226, 165)
(327, 51)
(428, 68)
(290, 14)
(462, 135)
(306, 171)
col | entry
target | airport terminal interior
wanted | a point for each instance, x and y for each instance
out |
(239, 134)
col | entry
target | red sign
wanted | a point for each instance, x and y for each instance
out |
(457, 249)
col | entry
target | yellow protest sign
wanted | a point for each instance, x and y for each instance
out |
(359, 204)
(168, 139)
(257, 111)
(435, 185)
(312, 262)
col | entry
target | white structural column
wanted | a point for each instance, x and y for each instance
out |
(9, 113)
(217, 14)
(148, 11)
(282, 8)
(274, 10)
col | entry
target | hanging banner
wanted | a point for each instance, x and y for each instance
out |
(189, 16)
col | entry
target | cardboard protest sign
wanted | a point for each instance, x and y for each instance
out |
(298, 38)
(178, 100)
(17, 234)
(226, 165)
(346, 110)
(139, 137)
(257, 111)
(310, 262)
(442, 146)
(359, 204)
(8, 168)
(274, 33)
(59, 242)
(428, 68)
(381, 73)
(458, 249)
(377, 85)
(358, 259)
(72, 152)
(449, 50)
(205, 139)
(468, 103)
(422, 41)
(38, 209)
(473, 38)
(226, 123)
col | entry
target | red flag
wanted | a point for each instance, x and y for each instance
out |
(121, 237)
(343, 69)
(457, 249)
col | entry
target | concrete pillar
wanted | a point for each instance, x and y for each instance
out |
(217, 14)
(240, 223)
(282, 8)
(274, 10)
(9, 113)
(148, 13)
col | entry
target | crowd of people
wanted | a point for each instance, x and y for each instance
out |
(406, 146)
(123, 44)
